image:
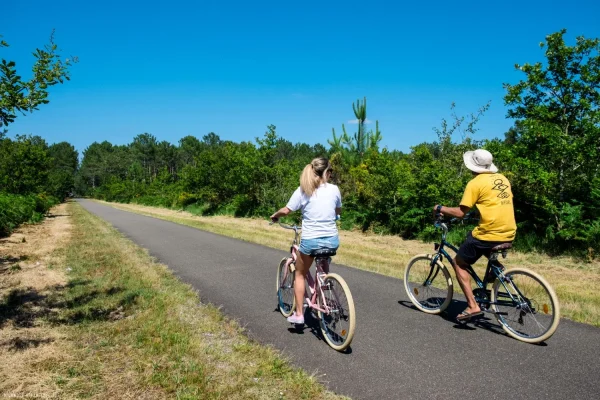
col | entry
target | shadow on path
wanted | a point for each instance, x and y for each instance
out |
(312, 325)
(487, 321)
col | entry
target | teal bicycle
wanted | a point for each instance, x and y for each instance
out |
(524, 304)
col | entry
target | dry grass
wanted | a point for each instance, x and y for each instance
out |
(121, 325)
(30, 270)
(575, 281)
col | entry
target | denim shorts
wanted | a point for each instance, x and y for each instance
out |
(329, 242)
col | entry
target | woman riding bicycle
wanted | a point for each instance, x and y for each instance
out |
(320, 203)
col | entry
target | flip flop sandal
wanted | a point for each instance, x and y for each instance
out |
(465, 316)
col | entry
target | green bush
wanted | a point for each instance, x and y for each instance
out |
(17, 209)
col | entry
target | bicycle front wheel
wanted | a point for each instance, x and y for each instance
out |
(525, 305)
(285, 288)
(428, 284)
(338, 324)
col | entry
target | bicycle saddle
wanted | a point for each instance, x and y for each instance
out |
(502, 247)
(323, 253)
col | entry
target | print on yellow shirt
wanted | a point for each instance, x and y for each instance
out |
(492, 195)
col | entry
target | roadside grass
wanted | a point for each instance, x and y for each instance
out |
(573, 280)
(131, 329)
(31, 270)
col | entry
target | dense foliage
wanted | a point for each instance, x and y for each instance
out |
(16, 209)
(33, 177)
(550, 155)
(212, 174)
(554, 148)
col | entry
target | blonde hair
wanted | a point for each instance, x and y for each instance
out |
(312, 175)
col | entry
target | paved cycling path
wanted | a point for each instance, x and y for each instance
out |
(397, 352)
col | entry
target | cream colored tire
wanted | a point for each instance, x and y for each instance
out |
(349, 326)
(283, 293)
(427, 298)
(546, 317)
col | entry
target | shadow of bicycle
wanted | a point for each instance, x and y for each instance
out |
(487, 321)
(312, 324)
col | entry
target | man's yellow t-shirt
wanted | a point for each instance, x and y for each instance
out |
(492, 195)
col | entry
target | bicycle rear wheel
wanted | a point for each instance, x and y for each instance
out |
(525, 305)
(339, 323)
(285, 288)
(428, 284)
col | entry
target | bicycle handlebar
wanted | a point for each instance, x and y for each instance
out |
(439, 219)
(286, 226)
(295, 227)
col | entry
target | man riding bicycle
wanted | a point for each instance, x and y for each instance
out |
(491, 193)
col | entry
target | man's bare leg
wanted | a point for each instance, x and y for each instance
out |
(464, 280)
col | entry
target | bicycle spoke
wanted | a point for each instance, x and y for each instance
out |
(427, 285)
(528, 306)
(337, 324)
(337, 317)
(525, 304)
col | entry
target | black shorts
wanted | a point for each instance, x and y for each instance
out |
(472, 249)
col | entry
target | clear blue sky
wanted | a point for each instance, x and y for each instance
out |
(232, 67)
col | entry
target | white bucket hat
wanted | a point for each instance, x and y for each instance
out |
(480, 161)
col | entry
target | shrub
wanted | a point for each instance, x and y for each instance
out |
(17, 209)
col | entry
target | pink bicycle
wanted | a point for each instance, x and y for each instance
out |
(327, 294)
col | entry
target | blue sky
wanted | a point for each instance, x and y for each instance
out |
(232, 67)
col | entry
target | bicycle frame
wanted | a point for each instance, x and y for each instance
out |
(493, 266)
(322, 269)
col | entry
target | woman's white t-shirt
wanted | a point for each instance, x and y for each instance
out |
(318, 210)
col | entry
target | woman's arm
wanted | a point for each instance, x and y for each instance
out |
(280, 213)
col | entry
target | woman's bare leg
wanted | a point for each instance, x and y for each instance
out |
(303, 264)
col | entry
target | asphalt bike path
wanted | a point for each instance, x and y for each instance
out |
(398, 352)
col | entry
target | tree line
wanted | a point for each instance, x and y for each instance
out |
(550, 155)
